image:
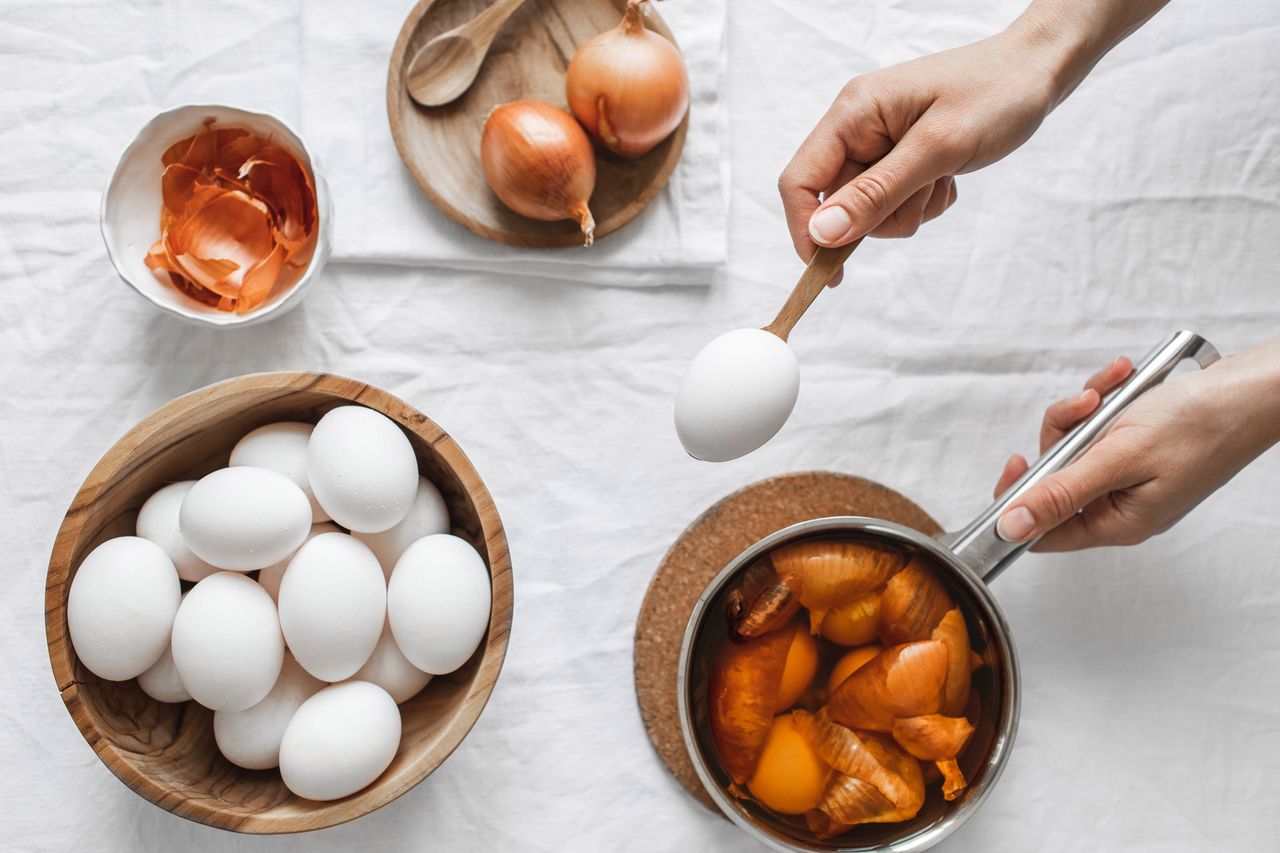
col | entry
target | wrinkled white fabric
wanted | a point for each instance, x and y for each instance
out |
(1148, 202)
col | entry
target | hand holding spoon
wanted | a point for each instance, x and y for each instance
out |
(741, 388)
(446, 66)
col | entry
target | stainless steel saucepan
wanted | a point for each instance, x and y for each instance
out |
(968, 560)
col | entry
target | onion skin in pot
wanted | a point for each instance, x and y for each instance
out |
(742, 695)
(933, 737)
(904, 681)
(913, 603)
(819, 575)
(953, 632)
(628, 86)
(539, 162)
(873, 760)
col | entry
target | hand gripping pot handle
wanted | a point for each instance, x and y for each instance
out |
(978, 545)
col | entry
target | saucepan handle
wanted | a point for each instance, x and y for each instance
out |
(978, 544)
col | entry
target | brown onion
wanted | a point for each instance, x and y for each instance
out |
(540, 163)
(628, 86)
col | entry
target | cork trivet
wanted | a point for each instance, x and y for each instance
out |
(707, 546)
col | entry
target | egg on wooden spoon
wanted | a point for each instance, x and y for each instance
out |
(739, 391)
(741, 387)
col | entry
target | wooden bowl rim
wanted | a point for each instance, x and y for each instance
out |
(471, 704)
(399, 135)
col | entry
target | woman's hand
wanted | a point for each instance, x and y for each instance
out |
(884, 154)
(883, 159)
(1172, 448)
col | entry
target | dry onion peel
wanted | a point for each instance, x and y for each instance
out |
(628, 86)
(540, 164)
(238, 218)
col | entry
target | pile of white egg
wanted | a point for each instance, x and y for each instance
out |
(360, 596)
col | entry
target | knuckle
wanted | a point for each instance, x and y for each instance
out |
(868, 191)
(786, 181)
(1058, 499)
(855, 88)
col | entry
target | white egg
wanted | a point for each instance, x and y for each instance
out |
(388, 668)
(739, 391)
(162, 682)
(427, 515)
(438, 603)
(251, 738)
(226, 642)
(244, 518)
(270, 576)
(281, 447)
(339, 741)
(121, 607)
(333, 601)
(158, 521)
(362, 469)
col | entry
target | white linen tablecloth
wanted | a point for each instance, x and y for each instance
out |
(1150, 201)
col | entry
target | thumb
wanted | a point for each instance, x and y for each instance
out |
(1057, 498)
(855, 209)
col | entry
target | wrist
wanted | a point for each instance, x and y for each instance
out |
(1248, 386)
(1063, 45)
(1072, 35)
(1262, 375)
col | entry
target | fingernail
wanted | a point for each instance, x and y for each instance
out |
(1083, 395)
(829, 224)
(1015, 525)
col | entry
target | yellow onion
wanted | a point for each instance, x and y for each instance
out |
(628, 86)
(540, 163)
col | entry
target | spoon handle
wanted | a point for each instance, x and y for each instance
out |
(822, 266)
(486, 25)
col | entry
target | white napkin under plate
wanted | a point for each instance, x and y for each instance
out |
(382, 216)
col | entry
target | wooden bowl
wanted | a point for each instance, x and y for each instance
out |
(441, 145)
(167, 752)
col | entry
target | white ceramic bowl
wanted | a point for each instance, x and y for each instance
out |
(131, 203)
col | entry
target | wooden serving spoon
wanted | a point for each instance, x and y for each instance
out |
(446, 66)
(822, 266)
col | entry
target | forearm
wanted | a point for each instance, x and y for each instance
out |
(1074, 34)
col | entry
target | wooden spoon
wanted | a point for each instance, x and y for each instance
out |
(822, 266)
(446, 66)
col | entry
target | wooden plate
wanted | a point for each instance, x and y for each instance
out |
(708, 545)
(165, 752)
(441, 145)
